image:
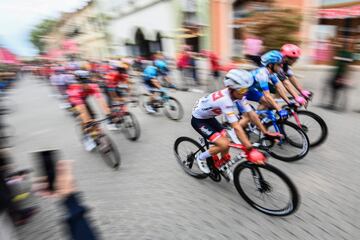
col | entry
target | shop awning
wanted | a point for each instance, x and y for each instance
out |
(339, 13)
(6, 57)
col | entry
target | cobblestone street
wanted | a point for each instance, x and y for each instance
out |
(150, 197)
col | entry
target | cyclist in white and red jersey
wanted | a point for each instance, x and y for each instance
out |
(223, 102)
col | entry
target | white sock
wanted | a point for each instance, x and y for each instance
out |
(204, 155)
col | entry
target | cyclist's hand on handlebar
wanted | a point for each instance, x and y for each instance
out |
(301, 100)
(255, 156)
(293, 105)
(283, 114)
(306, 94)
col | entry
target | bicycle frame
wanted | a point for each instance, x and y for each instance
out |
(270, 117)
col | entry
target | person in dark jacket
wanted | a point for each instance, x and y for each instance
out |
(76, 220)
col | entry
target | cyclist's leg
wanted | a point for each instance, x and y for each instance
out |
(112, 96)
(255, 96)
(212, 130)
(89, 110)
(83, 113)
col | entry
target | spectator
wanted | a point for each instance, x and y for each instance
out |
(77, 223)
(253, 47)
(193, 67)
(339, 81)
(183, 63)
(215, 68)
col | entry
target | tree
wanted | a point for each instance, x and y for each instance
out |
(41, 30)
(277, 27)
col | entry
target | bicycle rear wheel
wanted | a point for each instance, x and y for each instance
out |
(185, 150)
(294, 146)
(130, 126)
(266, 189)
(173, 109)
(313, 125)
(108, 151)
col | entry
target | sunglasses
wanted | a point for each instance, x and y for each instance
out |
(242, 91)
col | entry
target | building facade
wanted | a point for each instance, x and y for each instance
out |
(80, 33)
(141, 28)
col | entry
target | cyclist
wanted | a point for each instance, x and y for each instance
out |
(150, 78)
(265, 82)
(79, 92)
(203, 120)
(115, 78)
(291, 53)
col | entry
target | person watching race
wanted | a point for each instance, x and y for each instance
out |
(203, 119)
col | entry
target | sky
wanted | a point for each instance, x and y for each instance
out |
(18, 17)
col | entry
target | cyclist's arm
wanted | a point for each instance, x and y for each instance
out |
(263, 80)
(228, 110)
(279, 87)
(296, 83)
(270, 100)
(290, 88)
(155, 83)
(282, 92)
(254, 118)
(240, 133)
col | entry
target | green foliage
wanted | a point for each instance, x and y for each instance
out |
(39, 31)
(277, 27)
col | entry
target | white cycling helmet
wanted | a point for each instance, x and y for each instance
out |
(238, 79)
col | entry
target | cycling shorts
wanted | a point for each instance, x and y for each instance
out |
(254, 95)
(209, 128)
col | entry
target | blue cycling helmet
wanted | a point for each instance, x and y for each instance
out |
(161, 65)
(271, 57)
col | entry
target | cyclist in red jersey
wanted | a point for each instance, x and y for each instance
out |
(78, 94)
(117, 84)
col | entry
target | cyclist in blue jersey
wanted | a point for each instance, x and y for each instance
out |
(264, 78)
(152, 84)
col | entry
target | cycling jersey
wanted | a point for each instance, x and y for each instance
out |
(218, 103)
(262, 78)
(113, 79)
(263, 81)
(150, 72)
(287, 70)
(77, 94)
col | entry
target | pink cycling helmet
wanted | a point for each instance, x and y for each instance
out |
(290, 50)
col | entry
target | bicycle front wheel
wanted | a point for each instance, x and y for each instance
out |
(294, 146)
(313, 125)
(173, 109)
(108, 151)
(185, 150)
(266, 189)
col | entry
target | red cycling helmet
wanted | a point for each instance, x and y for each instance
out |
(290, 50)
